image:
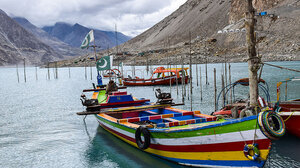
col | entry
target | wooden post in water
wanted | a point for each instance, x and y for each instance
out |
(56, 71)
(226, 78)
(197, 74)
(215, 85)
(170, 73)
(24, 71)
(36, 76)
(176, 75)
(91, 69)
(48, 71)
(200, 84)
(122, 70)
(182, 79)
(223, 92)
(147, 65)
(229, 68)
(85, 75)
(17, 73)
(69, 72)
(191, 72)
(53, 70)
(206, 71)
(225, 71)
(253, 61)
(285, 90)
(169, 64)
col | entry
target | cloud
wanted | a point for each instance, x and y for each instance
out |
(131, 16)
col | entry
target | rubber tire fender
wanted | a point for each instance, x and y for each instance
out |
(138, 137)
(271, 124)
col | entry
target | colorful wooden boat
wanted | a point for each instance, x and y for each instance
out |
(161, 76)
(289, 110)
(187, 137)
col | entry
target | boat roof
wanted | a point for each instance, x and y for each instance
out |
(162, 70)
(291, 79)
(245, 81)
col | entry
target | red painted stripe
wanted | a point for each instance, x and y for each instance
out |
(230, 146)
(155, 117)
(187, 113)
(209, 119)
(134, 119)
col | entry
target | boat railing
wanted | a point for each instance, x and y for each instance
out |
(170, 117)
(265, 90)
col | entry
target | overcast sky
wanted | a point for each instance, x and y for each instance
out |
(131, 16)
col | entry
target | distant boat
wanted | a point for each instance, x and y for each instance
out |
(112, 73)
(289, 110)
(161, 76)
(185, 137)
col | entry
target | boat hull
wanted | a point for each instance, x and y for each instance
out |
(292, 122)
(290, 112)
(210, 145)
(152, 82)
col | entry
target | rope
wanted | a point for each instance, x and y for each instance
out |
(255, 132)
(242, 136)
(295, 70)
(289, 117)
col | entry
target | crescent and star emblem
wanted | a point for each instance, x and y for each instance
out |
(104, 65)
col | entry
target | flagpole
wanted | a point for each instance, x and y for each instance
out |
(95, 49)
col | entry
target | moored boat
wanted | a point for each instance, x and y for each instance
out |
(289, 110)
(112, 73)
(187, 137)
(161, 76)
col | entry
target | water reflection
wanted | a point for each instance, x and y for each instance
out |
(105, 147)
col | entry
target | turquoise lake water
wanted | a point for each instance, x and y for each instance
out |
(39, 126)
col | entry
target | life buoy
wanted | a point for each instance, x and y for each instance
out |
(138, 137)
(271, 124)
(251, 147)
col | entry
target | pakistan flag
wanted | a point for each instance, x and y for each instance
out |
(104, 63)
(87, 40)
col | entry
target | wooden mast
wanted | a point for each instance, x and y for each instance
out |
(253, 60)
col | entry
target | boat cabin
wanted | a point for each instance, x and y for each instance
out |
(164, 72)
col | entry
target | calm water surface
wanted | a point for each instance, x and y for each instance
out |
(39, 126)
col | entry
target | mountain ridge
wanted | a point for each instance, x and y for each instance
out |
(59, 46)
(74, 35)
(16, 44)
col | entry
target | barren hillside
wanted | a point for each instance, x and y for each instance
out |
(217, 32)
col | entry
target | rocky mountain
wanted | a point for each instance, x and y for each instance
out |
(59, 46)
(16, 43)
(74, 35)
(217, 31)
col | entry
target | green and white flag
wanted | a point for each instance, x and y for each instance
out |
(104, 63)
(87, 40)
